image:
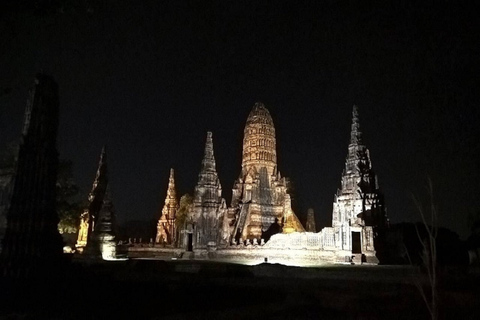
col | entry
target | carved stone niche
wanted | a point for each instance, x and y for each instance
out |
(211, 246)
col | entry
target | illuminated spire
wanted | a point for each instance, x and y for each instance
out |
(359, 182)
(166, 224)
(358, 206)
(207, 200)
(357, 151)
(101, 181)
(171, 204)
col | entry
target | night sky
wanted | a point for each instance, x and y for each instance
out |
(150, 78)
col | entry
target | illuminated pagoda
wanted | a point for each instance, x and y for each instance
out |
(260, 197)
(166, 224)
(209, 208)
(358, 207)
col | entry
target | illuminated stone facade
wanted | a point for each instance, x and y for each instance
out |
(260, 200)
(259, 196)
(259, 144)
(166, 224)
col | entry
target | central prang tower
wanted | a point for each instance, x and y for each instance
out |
(259, 196)
(259, 146)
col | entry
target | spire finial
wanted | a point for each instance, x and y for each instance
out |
(209, 146)
(208, 162)
(355, 113)
(108, 193)
(171, 199)
(356, 135)
(171, 185)
(101, 181)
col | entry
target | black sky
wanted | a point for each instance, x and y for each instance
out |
(149, 78)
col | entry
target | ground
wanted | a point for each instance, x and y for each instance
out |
(155, 289)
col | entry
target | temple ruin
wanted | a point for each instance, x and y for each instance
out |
(89, 239)
(32, 244)
(260, 225)
(358, 207)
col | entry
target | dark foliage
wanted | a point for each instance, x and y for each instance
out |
(68, 204)
(402, 246)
